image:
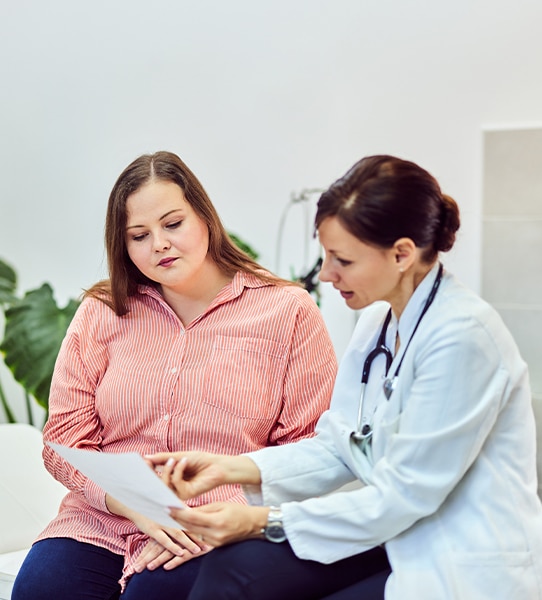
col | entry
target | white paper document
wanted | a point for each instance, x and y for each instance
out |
(128, 478)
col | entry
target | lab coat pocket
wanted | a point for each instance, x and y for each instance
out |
(389, 426)
(384, 431)
(246, 376)
(491, 575)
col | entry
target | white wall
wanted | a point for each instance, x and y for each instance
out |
(261, 98)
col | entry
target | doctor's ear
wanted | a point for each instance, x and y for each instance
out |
(404, 251)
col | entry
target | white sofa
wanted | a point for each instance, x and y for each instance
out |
(537, 405)
(29, 498)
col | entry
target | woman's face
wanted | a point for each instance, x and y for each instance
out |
(165, 238)
(361, 273)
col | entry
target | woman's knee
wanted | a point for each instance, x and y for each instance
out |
(63, 569)
(162, 583)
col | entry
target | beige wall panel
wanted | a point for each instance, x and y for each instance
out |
(513, 173)
(523, 324)
(512, 246)
(511, 261)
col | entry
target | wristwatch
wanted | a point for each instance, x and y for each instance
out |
(274, 530)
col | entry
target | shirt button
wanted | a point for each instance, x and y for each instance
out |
(174, 370)
(166, 417)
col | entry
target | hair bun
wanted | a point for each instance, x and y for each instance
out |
(449, 224)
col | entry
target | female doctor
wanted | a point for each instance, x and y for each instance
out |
(431, 412)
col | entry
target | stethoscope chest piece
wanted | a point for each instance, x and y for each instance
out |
(389, 385)
(366, 433)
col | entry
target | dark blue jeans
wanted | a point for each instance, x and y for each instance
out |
(260, 570)
(64, 569)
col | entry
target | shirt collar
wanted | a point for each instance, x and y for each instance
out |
(232, 290)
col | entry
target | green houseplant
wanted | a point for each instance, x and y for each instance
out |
(34, 327)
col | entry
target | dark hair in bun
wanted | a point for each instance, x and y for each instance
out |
(383, 198)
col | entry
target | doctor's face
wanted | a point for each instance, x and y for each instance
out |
(361, 273)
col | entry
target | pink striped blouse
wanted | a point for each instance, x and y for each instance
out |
(255, 369)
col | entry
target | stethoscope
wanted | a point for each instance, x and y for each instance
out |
(364, 431)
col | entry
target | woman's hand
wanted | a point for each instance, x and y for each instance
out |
(190, 474)
(222, 523)
(154, 555)
(176, 541)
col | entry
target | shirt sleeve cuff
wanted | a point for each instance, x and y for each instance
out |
(253, 494)
(95, 496)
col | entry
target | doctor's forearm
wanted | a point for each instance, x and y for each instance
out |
(240, 469)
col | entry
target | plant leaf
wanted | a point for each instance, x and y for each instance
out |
(35, 328)
(242, 245)
(8, 283)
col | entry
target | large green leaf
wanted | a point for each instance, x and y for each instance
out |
(8, 283)
(35, 328)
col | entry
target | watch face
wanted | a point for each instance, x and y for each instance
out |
(274, 532)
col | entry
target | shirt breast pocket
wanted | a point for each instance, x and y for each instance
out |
(245, 376)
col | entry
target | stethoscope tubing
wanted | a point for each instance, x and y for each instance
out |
(365, 432)
(375, 352)
(358, 433)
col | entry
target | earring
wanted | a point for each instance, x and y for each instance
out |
(401, 269)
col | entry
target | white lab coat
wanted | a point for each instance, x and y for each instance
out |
(451, 487)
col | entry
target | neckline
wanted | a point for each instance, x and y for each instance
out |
(427, 304)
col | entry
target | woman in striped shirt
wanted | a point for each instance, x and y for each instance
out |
(190, 344)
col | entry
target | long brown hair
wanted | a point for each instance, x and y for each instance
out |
(383, 198)
(124, 276)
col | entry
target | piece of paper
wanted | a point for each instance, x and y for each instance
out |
(128, 478)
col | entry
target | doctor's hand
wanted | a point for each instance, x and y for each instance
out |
(221, 523)
(190, 474)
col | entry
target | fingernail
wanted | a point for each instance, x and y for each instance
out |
(170, 461)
